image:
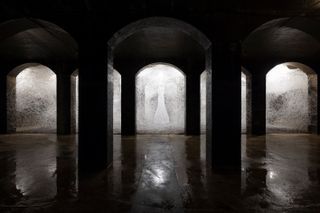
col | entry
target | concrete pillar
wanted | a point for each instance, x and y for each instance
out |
(128, 103)
(258, 103)
(318, 105)
(224, 138)
(95, 133)
(63, 102)
(193, 104)
(3, 103)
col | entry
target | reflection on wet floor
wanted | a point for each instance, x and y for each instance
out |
(280, 173)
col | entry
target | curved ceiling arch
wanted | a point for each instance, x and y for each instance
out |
(284, 39)
(158, 39)
(28, 39)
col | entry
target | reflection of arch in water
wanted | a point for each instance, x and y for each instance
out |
(31, 92)
(291, 98)
(160, 99)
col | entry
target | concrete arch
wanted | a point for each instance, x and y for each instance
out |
(161, 22)
(283, 39)
(36, 39)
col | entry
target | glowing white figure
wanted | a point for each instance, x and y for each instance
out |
(160, 100)
(161, 116)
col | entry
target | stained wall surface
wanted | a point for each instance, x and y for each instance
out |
(32, 105)
(160, 100)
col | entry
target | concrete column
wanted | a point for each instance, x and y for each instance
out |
(224, 138)
(193, 104)
(128, 103)
(3, 103)
(95, 135)
(63, 103)
(318, 105)
(258, 103)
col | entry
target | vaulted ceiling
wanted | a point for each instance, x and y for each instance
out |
(286, 39)
(34, 39)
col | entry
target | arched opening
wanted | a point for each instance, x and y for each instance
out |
(30, 40)
(160, 99)
(291, 99)
(31, 106)
(245, 101)
(147, 42)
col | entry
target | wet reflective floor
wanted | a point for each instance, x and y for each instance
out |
(280, 173)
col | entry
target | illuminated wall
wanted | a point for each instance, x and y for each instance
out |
(289, 100)
(32, 99)
(203, 97)
(160, 100)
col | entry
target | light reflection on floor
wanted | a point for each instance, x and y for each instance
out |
(280, 173)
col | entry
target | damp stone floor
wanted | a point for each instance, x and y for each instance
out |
(159, 173)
